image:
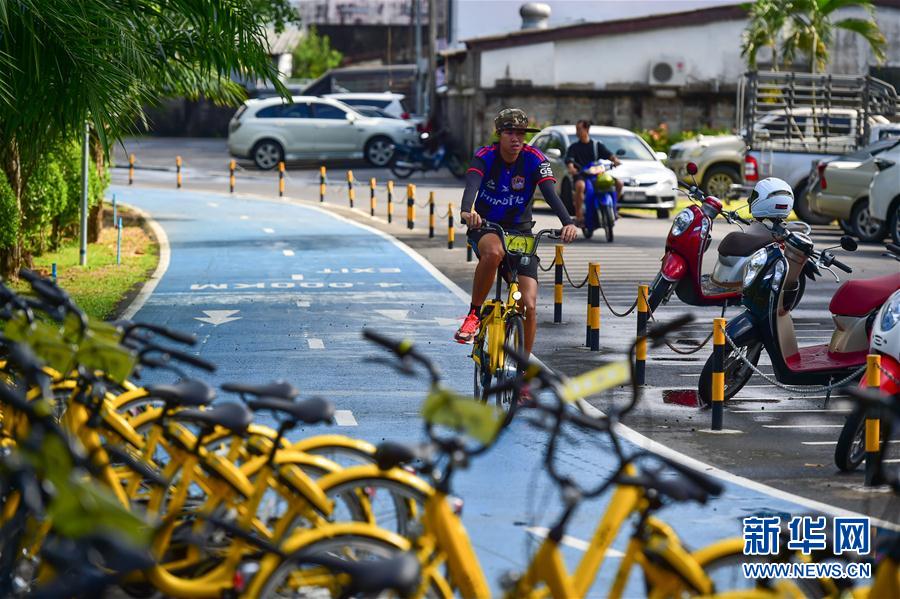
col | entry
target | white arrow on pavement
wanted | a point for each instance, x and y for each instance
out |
(404, 316)
(394, 314)
(217, 317)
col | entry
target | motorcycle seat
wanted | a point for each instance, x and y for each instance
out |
(861, 296)
(742, 245)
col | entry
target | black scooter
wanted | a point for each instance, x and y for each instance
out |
(772, 274)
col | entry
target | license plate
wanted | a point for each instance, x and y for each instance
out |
(634, 196)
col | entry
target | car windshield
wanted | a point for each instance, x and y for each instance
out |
(628, 147)
(371, 111)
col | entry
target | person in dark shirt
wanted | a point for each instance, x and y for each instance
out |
(579, 155)
(500, 185)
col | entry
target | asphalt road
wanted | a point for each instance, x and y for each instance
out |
(279, 290)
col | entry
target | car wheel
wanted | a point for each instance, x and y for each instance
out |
(267, 154)
(894, 223)
(718, 180)
(845, 226)
(865, 228)
(379, 151)
(801, 207)
(663, 213)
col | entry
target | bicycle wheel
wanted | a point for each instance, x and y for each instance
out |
(482, 373)
(292, 578)
(727, 575)
(515, 338)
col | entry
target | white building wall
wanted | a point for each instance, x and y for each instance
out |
(535, 62)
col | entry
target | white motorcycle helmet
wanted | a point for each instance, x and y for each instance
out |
(886, 328)
(771, 198)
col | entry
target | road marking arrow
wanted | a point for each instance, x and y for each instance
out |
(344, 418)
(446, 322)
(315, 343)
(217, 317)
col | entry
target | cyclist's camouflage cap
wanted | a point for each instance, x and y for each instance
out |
(513, 118)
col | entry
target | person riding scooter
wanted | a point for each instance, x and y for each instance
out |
(582, 154)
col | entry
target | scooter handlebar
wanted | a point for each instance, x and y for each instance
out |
(842, 266)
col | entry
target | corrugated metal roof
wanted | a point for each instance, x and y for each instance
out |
(284, 42)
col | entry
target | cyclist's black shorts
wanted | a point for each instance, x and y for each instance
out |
(530, 271)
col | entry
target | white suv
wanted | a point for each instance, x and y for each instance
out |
(270, 130)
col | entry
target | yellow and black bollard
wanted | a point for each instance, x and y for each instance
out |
(390, 201)
(178, 172)
(451, 232)
(873, 422)
(594, 306)
(558, 285)
(718, 375)
(468, 252)
(640, 350)
(431, 221)
(350, 192)
(372, 183)
(410, 206)
(321, 184)
(231, 166)
(281, 179)
(130, 169)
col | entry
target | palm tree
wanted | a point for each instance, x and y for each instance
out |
(767, 19)
(64, 63)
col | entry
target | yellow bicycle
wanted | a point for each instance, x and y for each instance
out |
(502, 322)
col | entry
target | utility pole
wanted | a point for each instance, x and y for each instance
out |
(84, 197)
(432, 57)
(417, 19)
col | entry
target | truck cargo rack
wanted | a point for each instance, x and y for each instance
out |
(811, 113)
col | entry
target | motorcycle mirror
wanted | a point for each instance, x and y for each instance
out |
(848, 243)
(691, 168)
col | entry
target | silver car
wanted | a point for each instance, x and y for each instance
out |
(647, 182)
(270, 131)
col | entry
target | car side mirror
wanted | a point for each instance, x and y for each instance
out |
(553, 153)
(883, 164)
(662, 156)
(848, 243)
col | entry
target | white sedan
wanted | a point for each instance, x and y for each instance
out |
(647, 182)
(270, 131)
(884, 192)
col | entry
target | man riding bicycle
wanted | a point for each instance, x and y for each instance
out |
(581, 154)
(500, 184)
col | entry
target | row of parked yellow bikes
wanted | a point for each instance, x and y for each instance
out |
(109, 486)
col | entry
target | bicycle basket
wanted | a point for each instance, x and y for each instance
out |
(522, 244)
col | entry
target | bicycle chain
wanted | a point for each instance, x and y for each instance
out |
(794, 388)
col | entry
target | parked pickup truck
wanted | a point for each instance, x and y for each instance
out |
(792, 120)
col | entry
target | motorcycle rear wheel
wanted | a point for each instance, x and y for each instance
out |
(737, 373)
(402, 172)
(850, 450)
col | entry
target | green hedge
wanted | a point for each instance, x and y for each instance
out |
(661, 140)
(51, 202)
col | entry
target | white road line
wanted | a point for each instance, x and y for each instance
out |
(212, 204)
(302, 304)
(344, 418)
(245, 217)
(803, 426)
(835, 442)
(287, 252)
(165, 255)
(296, 277)
(573, 542)
(315, 343)
(776, 411)
(268, 230)
(894, 461)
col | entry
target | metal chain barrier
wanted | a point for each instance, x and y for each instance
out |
(551, 265)
(583, 283)
(801, 390)
(611, 309)
(895, 380)
(683, 352)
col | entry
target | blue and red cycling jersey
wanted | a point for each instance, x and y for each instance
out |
(506, 191)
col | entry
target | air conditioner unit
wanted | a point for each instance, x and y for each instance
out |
(667, 72)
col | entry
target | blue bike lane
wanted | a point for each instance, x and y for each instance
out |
(275, 290)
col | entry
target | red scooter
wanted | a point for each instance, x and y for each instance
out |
(688, 240)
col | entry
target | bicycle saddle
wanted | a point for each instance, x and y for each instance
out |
(310, 411)
(277, 389)
(391, 454)
(233, 416)
(192, 393)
